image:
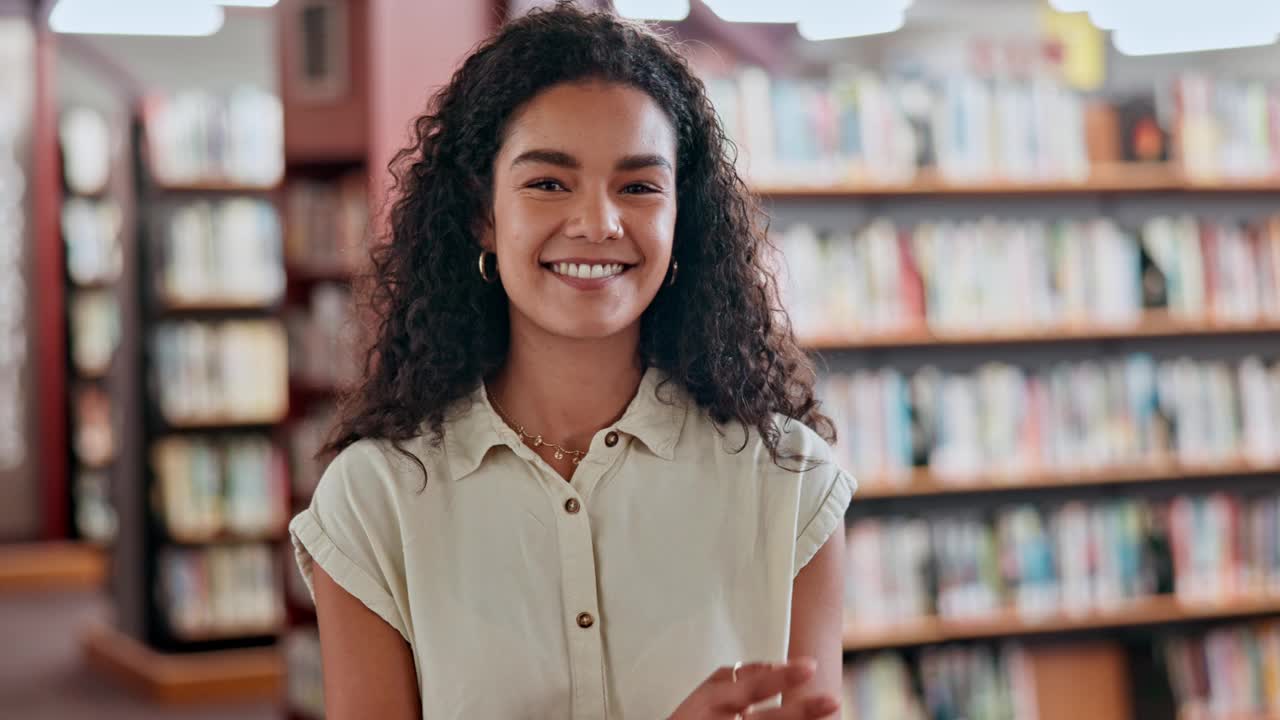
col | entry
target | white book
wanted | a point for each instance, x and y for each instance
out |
(1191, 267)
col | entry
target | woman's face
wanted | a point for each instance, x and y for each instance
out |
(584, 209)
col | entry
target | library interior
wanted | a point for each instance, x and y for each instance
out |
(1032, 248)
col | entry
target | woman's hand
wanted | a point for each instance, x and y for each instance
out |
(727, 694)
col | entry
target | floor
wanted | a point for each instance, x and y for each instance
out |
(43, 675)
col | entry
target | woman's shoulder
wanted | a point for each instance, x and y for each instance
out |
(381, 465)
(796, 441)
(797, 438)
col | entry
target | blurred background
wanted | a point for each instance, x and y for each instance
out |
(1033, 246)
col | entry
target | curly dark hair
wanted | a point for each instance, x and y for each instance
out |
(720, 330)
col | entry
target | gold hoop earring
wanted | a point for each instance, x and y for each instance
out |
(484, 267)
(675, 269)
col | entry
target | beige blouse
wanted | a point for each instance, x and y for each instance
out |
(611, 596)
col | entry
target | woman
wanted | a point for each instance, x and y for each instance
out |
(584, 475)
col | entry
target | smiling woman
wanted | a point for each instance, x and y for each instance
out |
(585, 467)
(583, 230)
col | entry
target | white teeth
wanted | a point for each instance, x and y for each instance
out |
(585, 271)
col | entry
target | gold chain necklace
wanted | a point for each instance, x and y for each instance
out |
(536, 440)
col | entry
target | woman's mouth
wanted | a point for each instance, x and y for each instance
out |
(587, 271)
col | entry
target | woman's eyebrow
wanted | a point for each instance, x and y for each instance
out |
(565, 160)
(639, 162)
(551, 157)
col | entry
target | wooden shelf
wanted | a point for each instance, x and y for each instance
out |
(230, 632)
(216, 305)
(225, 675)
(208, 424)
(1149, 611)
(1153, 325)
(922, 483)
(178, 537)
(52, 566)
(1109, 178)
(94, 374)
(318, 274)
(215, 186)
(97, 284)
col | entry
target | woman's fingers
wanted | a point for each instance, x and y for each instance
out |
(810, 708)
(757, 682)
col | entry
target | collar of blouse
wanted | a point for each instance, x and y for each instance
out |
(655, 417)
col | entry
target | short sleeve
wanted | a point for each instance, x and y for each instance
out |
(351, 531)
(825, 492)
(824, 497)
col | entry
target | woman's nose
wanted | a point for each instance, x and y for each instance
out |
(595, 218)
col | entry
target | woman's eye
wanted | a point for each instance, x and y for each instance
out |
(548, 185)
(639, 189)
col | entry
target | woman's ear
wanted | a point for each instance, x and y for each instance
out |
(482, 230)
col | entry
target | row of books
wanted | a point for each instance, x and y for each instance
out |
(955, 683)
(1009, 274)
(1228, 128)
(1224, 545)
(198, 136)
(226, 252)
(233, 371)
(1091, 415)
(861, 125)
(220, 591)
(327, 223)
(95, 515)
(322, 350)
(1231, 671)
(1073, 558)
(306, 436)
(304, 679)
(229, 486)
(91, 232)
(95, 330)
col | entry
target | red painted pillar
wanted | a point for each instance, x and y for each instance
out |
(50, 347)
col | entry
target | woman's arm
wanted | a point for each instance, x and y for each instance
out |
(368, 667)
(817, 616)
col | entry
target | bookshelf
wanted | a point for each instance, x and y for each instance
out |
(195, 575)
(1009, 288)
(1008, 623)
